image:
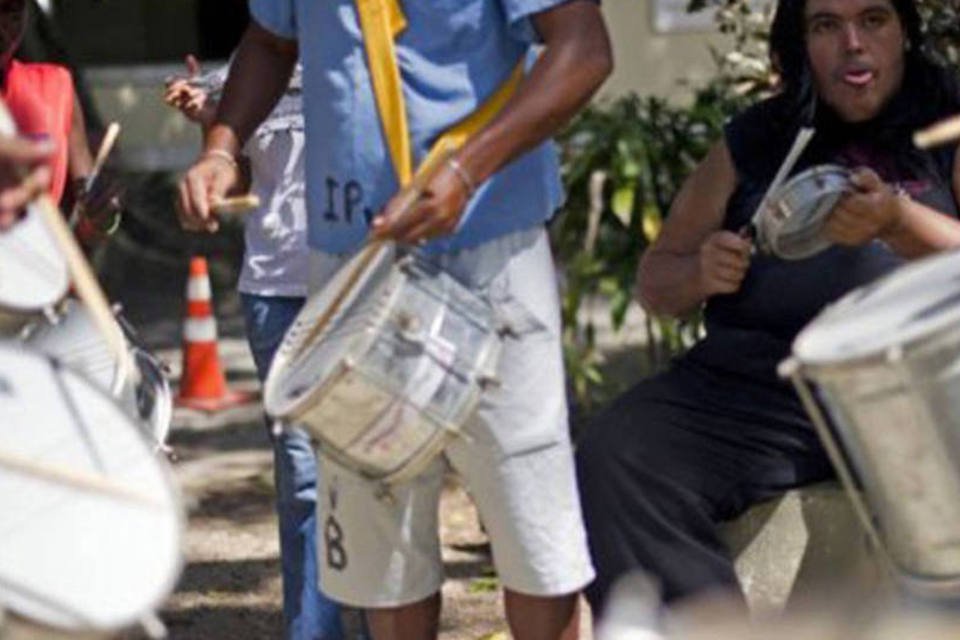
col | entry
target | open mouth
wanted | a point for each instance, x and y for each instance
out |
(858, 77)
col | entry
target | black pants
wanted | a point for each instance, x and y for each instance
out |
(672, 457)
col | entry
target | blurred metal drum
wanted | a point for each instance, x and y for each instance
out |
(879, 374)
(33, 273)
(74, 340)
(385, 364)
(90, 520)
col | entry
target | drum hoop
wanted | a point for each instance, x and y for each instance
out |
(880, 356)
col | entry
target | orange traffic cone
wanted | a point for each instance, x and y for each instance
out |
(202, 384)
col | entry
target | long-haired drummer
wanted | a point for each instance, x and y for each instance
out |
(718, 431)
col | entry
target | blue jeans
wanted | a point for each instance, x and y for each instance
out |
(308, 614)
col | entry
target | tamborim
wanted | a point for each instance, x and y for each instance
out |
(791, 224)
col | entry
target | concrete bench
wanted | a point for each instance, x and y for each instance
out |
(806, 542)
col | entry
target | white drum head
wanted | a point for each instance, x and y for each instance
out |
(296, 369)
(91, 526)
(33, 273)
(914, 301)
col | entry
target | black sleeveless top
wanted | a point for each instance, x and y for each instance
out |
(750, 332)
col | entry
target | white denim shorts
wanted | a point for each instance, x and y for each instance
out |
(516, 463)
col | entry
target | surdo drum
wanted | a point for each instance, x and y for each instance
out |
(384, 365)
(90, 521)
(879, 373)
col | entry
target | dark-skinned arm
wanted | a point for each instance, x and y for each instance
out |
(259, 75)
(576, 59)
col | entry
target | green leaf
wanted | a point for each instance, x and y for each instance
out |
(652, 221)
(622, 203)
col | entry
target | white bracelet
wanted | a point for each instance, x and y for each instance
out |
(223, 154)
(464, 176)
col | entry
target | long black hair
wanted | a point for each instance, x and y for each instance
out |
(928, 92)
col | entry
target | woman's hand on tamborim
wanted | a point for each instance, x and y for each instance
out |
(435, 213)
(871, 211)
(724, 260)
(211, 178)
(24, 174)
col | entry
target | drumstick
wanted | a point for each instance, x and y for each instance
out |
(409, 195)
(799, 144)
(84, 281)
(939, 133)
(236, 205)
(74, 477)
(106, 145)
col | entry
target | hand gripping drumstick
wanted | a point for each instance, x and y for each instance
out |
(409, 195)
(236, 205)
(940, 133)
(106, 145)
(84, 281)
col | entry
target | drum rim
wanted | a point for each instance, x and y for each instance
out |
(772, 244)
(163, 590)
(810, 346)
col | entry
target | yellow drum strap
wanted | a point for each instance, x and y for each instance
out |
(381, 22)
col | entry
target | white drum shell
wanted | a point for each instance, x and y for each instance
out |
(76, 342)
(33, 273)
(384, 397)
(74, 557)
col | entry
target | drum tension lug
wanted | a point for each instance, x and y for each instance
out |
(488, 382)
(384, 494)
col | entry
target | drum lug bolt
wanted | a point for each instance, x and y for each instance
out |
(488, 382)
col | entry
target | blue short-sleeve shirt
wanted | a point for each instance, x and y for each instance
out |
(452, 56)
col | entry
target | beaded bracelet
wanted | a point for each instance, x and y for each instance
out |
(463, 174)
(223, 155)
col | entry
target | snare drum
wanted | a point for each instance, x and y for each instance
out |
(791, 225)
(879, 373)
(33, 273)
(91, 527)
(75, 341)
(385, 363)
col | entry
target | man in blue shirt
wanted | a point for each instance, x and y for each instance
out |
(482, 216)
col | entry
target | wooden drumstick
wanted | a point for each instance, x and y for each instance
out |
(235, 205)
(78, 478)
(84, 281)
(939, 133)
(106, 145)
